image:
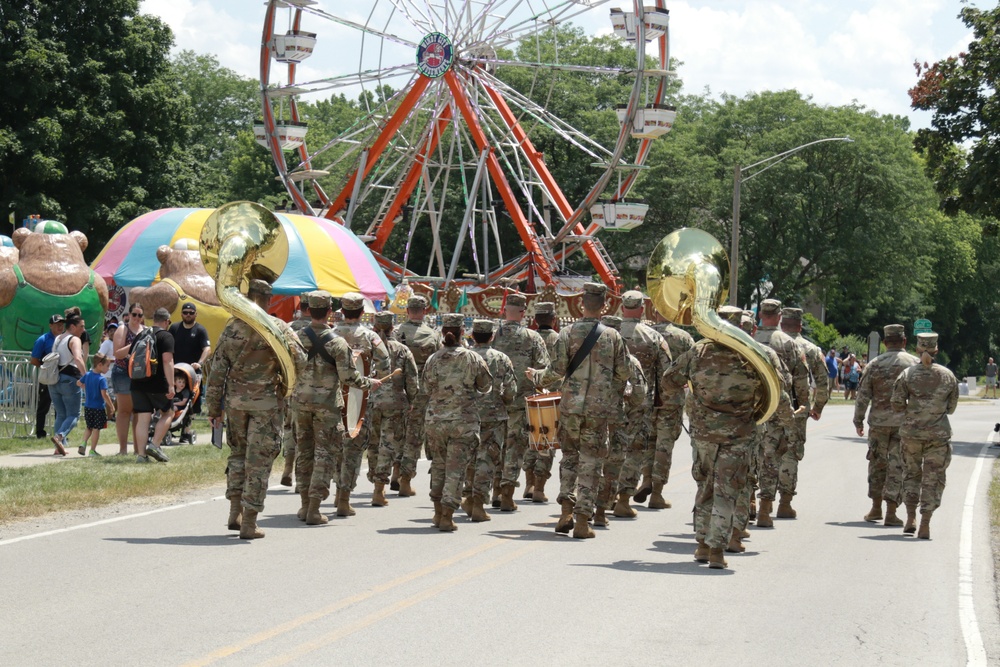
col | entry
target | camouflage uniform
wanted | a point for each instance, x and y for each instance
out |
(492, 413)
(422, 341)
(246, 373)
(589, 400)
(288, 430)
(885, 462)
(535, 462)
(454, 379)
(389, 406)
(526, 349)
(627, 433)
(925, 395)
(319, 403)
(668, 410)
(816, 367)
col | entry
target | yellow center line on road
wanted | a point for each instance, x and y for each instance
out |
(392, 609)
(281, 629)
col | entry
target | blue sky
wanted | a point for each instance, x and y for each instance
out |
(838, 52)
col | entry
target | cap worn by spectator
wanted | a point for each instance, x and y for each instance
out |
(632, 299)
(189, 308)
(352, 301)
(893, 331)
(612, 321)
(57, 319)
(319, 299)
(545, 308)
(770, 307)
(597, 289)
(384, 320)
(927, 341)
(452, 320)
(482, 326)
(111, 326)
(416, 301)
(517, 300)
(791, 314)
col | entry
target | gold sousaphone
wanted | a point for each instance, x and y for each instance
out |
(242, 241)
(686, 278)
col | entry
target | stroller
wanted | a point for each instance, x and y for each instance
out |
(181, 419)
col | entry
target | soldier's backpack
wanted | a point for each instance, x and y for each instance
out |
(142, 358)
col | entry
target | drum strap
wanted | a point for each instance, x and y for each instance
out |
(588, 344)
(319, 345)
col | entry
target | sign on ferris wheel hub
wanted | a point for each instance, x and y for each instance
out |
(435, 55)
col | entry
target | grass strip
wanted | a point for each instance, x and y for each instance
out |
(995, 500)
(90, 482)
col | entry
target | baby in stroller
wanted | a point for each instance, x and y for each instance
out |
(187, 387)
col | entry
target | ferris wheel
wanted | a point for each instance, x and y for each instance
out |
(455, 96)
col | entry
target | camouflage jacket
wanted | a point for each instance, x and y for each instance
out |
(649, 348)
(635, 402)
(319, 383)
(724, 391)
(455, 379)
(925, 396)
(783, 415)
(300, 323)
(549, 337)
(422, 340)
(362, 339)
(678, 342)
(525, 349)
(876, 388)
(793, 359)
(494, 407)
(245, 370)
(596, 388)
(816, 365)
(399, 392)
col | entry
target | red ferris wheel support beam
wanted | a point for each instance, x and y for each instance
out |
(375, 152)
(527, 233)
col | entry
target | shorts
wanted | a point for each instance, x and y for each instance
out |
(121, 383)
(145, 402)
(991, 381)
(95, 418)
(850, 386)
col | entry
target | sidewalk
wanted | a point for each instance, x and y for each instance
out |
(44, 455)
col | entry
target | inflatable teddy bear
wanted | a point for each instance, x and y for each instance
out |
(43, 274)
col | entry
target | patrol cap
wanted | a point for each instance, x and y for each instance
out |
(452, 320)
(770, 307)
(927, 341)
(258, 286)
(731, 314)
(189, 308)
(632, 299)
(612, 321)
(747, 323)
(748, 313)
(792, 314)
(517, 300)
(319, 299)
(597, 289)
(893, 331)
(416, 301)
(482, 326)
(384, 320)
(545, 308)
(57, 319)
(352, 301)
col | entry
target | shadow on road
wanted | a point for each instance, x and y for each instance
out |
(184, 540)
(850, 438)
(964, 448)
(690, 568)
(683, 548)
(531, 535)
(894, 537)
(427, 529)
(858, 524)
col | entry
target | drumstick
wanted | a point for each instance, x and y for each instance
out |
(390, 375)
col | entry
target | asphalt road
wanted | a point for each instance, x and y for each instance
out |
(167, 584)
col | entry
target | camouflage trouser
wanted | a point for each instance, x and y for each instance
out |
(665, 428)
(320, 433)
(414, 436)
(350, 464)
(539, 463)
(388, 437)
(721, 473)
(741, 515)
(885, 464)
(483, 465)
(584, 442)
(254, 438)
(454, 443)
(619, 443)
(634, 435)
(288, 433)
(515, 445)
(780, 461)
(924, 466)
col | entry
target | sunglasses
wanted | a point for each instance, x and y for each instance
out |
(136, 314)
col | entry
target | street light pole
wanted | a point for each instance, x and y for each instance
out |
(738, 179)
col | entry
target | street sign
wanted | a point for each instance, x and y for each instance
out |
(922, 326)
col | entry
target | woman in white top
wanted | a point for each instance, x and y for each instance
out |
(65, 393)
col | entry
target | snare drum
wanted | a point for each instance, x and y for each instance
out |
(542, 411)
(356, 400)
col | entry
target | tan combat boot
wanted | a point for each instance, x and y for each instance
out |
(925, 527)
(467, 505)
(478, 511)
(716, 559)
(701, 553)
(313, 516)
(744, 534)
(394, 480)
(753, 506)
(645, 488)
(447, 523)
(565, 523)
(734, 546)
(657, 501)
(344, 503)
(436, 519)
(538, 495)
(529, 485)
(248, 527)
(378, 496)
(600, 515)
(785, 510)
(301, 514)
(764, 515)
(286, 474)
(600, 518)
(890, 514)
(582, 529)
(235, 511)
(405, 490)
(622, 509)
(507, 503)
(875, 515)
(911, 519)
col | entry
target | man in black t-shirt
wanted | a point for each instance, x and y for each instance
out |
(155, 392)
(191, 346)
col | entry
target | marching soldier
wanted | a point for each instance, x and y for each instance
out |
(925, 394)
(538, 465)
(885, 459)
(288, 437)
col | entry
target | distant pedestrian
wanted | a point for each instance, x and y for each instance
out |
(832, 370)
(852, 375)
(155, 392)
(65, 392)
(991, 379)
(97, 404)
(42, 347)
(192, 345)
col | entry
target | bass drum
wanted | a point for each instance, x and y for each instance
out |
(356, 400)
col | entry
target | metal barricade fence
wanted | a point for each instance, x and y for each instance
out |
(18, 395)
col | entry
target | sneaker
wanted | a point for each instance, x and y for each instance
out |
(142, 459)
(82, 450)
(155, 452)
(94, 452)
(185, 439)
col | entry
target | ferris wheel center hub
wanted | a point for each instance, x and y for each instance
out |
(435, 55)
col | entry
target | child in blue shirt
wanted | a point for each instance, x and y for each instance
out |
(97, 403)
